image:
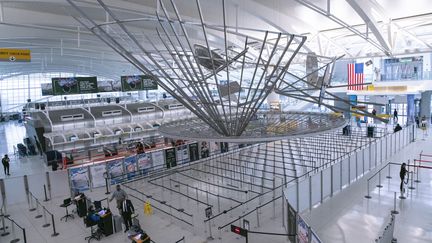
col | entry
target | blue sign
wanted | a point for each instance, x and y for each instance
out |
(130, 166)
(79, 179)
(115, 170)
(144, 162)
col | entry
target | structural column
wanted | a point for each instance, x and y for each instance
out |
(425, 105)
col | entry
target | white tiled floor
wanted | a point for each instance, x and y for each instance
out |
(350, 217)
(347, 217)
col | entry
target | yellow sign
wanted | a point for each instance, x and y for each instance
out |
(383, 115)
(14, 55)
(147, 208)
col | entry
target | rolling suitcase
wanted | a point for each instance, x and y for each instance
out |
(117, 222)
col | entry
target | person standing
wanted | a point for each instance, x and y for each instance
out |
(119, 195)
(423, 122)
(5, 162)
(126, 211)
(417, 120)
(395, 115)
(402, 174)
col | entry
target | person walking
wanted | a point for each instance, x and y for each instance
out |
(120, 195)
(417, 120)
(5, 162)
(395, 115)
(126, 211)
(402, 174)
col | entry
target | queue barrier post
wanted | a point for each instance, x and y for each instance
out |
(54, 234)
(38, 215)
(394, 211)
(368, 196)
(418, 172)
(14, 237)
(45, 194)
(31, 205)
(49, 184)
(379, 180)
(389, 176)
(24, 235)
(4, 227)
(411, 187)
(46, 224)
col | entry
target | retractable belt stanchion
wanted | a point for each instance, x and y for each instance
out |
(4, 199)
(46, 224)
(48, 180)
(45, 194)
(14, 237)
(4, 227)
(411, 187)
(39, 215)
(394, 211)
(54, 234)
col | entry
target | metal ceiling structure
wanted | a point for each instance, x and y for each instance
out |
(221, 73)
(363, 28)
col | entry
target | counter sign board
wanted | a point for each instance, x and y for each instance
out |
(15, 55)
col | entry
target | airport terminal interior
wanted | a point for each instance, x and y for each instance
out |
(226, 121)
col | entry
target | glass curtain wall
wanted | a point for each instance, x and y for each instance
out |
(15, 91)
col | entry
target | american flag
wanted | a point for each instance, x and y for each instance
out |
(355, 76)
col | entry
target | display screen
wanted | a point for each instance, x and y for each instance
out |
(109, 86)
(74, 85)
(138, 82)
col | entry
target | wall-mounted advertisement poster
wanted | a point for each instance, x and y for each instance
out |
(302, 231)
(158, 159)
(74, 85)
(109, 86)
(193, 151)
(130, 166)
(115, 170)
(79, 179)
(97, 175)
(182, 154)
(170, 157)
(144, 162)
(205, 150)
(215, 148)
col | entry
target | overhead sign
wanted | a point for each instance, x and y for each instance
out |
(15, 55)
(74, 85)
(138, 82)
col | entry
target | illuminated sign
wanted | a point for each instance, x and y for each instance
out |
(239, 231)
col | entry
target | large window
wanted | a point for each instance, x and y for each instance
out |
(15, 91)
